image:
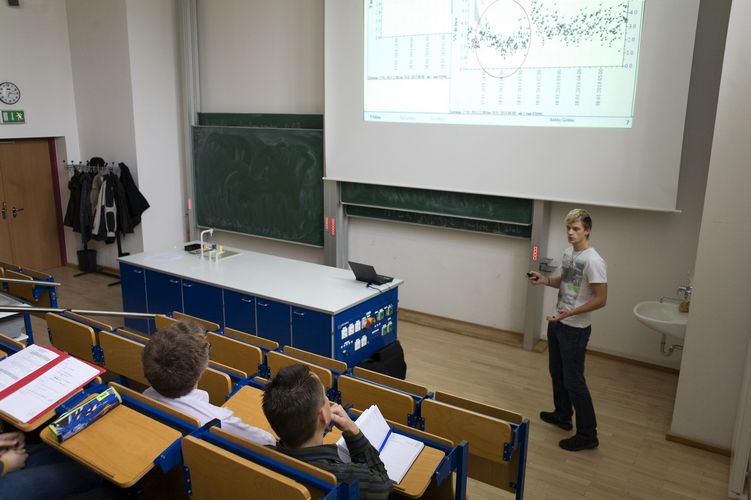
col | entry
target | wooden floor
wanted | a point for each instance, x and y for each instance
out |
(634, 406)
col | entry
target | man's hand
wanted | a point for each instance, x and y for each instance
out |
(13, 440)
(561, 314)
(536, 278)
(14, 460)
(342, 421)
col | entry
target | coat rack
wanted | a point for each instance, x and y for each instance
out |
(106, 167)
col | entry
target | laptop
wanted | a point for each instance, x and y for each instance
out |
(367, 274)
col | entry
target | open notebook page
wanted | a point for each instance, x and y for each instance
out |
(397, 452)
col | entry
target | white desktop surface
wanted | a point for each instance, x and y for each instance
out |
(313, 286)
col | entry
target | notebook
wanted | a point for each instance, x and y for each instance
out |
(397, 452)
(367, 274)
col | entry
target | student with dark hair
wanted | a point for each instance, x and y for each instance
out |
(173, 361)
(296, 406)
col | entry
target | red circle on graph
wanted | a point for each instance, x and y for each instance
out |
(499, 72)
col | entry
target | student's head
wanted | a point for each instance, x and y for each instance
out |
(175, 358)
(295, 405)
(578, 224)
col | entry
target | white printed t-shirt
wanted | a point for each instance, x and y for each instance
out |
(578, 270)
(196, 403)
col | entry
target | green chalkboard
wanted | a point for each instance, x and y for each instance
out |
(470, 212)
(264, 181)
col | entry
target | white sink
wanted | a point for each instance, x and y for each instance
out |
(663, 317)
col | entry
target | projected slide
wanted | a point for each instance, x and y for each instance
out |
(502, 62)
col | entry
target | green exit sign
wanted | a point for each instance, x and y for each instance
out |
(13, 116)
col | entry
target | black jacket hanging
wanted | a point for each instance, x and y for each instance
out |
(136, 202)
(73, 212)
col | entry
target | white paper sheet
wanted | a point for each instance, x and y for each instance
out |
(24, 362)
(397, 454)
(46, 390)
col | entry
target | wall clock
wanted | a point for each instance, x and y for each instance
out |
(9, 93)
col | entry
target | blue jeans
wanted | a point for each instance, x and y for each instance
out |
(47, 475)
(567, 346)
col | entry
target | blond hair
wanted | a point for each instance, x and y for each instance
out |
(581, 215)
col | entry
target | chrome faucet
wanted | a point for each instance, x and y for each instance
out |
(670, 299)
(685, 291)
(211, 233)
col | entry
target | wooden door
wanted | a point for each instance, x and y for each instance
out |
(6, 250)
(29, 196)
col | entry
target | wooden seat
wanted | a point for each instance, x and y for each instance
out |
(71, 336)
(281, 458)
(486, 436)
(37, 275)
(395, 406)
(396, 383)
(138, 337)
(217, 474)
(317, 359)
(231, 352)
(123, 356)
(217, 384)
(265, 344)
(96, 324)
(10, 267)
(9, 345)
(232, 372)
(26, 292)
(163, 322)
(206, 325)
(278, 360)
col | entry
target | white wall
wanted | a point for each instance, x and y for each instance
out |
(36, 57)
(718, 331)
(104, 107)
(154, 72)
(258, 56)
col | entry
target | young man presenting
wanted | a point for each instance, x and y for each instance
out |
(583, 288)
(296, 406)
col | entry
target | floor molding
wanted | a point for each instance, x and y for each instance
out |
(107, 269)
(697, 444)
(506, 337)
(469, 329)
(645, 364)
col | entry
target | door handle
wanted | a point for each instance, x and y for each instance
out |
(4, 211)
(298, 313)
(15, 211)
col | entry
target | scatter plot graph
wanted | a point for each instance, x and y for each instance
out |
(520, 62)
(503, 35)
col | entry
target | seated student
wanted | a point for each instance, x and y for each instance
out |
(296, 406)
(37, 472)
(173, 361)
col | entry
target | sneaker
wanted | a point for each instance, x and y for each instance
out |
(552, 418)
(577, 443)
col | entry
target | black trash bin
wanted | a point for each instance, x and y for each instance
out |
(87, 261)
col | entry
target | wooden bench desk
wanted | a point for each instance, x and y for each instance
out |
(121, 446)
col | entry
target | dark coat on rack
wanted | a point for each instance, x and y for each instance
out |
(87, 219)
(137, 203)
(73, 212)
(124, 220)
